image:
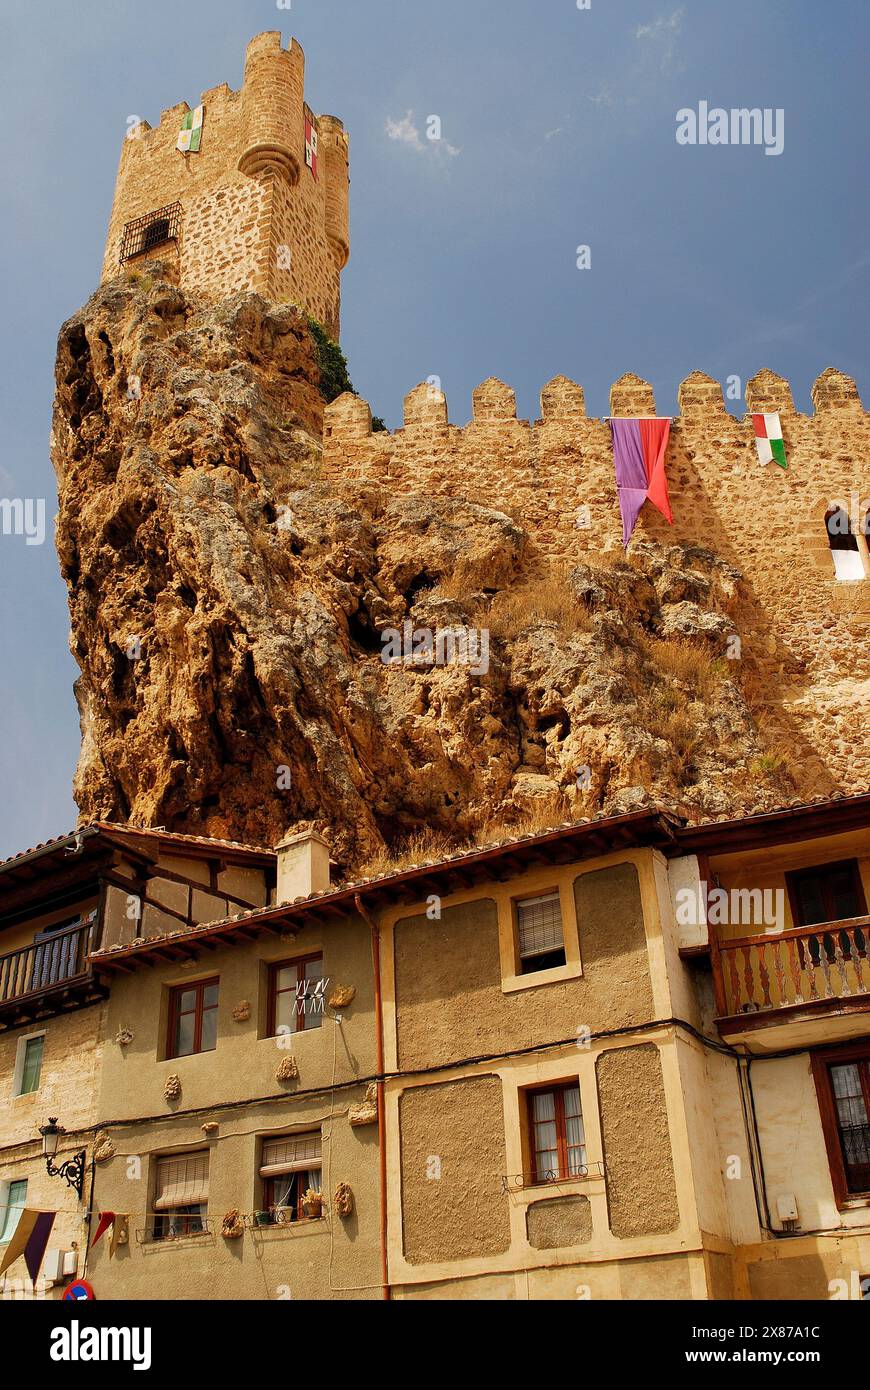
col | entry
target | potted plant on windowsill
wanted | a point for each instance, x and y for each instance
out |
(312, 1204)
(264, 1218)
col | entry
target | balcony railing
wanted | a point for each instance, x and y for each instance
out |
(791, 968)
(58, 959)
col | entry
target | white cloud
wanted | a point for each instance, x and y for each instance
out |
(661, 27)
(405, 131)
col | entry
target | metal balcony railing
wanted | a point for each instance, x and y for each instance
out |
(43, 965)
(803, 966)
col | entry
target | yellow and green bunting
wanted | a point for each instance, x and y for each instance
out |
(190, 135)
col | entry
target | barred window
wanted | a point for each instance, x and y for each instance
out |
(851, 1087)
(152, 229)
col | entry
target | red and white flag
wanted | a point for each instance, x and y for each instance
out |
(311, 146)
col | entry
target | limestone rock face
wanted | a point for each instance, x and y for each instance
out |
(228, 615)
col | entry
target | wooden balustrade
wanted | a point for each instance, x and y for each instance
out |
(781, 969)
(59, 957)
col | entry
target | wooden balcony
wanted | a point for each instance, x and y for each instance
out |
(794, 976)
(48, 977)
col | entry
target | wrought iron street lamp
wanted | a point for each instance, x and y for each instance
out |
(73, 1169)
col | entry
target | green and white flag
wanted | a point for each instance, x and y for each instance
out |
(190, 135)
(768, 440)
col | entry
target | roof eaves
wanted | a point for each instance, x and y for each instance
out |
(652, 817)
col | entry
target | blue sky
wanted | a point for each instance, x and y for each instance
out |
(558, 130)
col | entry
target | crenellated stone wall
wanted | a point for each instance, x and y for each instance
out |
(806, 631)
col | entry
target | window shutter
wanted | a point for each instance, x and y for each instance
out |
(182, 1181)
(539, 922)
(292, 1153)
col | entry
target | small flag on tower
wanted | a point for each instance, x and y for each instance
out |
(769, 440)
(190, 135)
(311, 146)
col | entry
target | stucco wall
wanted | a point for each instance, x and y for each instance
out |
(329, 1259)
(641, 1189)
(243, 1065)
(793, 1144)
(235, 1086)
(463, 1211)
(560, 1222)
(448, 979)
(203, 902)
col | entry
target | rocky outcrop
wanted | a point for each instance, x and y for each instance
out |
(229, 613)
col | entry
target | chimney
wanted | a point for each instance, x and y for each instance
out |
(303, 866)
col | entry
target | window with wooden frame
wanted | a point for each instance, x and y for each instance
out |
(842, 1077)
(297, 991)
(290, 1166)
(13, 1199)
(557, 1139)
(181, 1195)
(540, 944)
(193, 1017)
(826, 893)
(28, 1064)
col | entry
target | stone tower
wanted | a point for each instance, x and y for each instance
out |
(259, 200)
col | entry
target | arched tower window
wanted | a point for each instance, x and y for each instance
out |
(848, 565)
(153, 229)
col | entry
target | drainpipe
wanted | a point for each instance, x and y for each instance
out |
(90, 1214)
(382, 1133)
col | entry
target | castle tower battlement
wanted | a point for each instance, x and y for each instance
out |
(555, 477)
(256, 207)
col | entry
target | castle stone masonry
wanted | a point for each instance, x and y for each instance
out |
(805, 630)
(253, 215)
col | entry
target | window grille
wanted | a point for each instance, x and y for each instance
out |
(151, 230)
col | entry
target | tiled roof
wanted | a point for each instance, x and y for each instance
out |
(341, 896)
(132, 832)
(46, 845)
(176, 835)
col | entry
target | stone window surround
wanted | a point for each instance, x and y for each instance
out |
(506, 898)
(517, 1082)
